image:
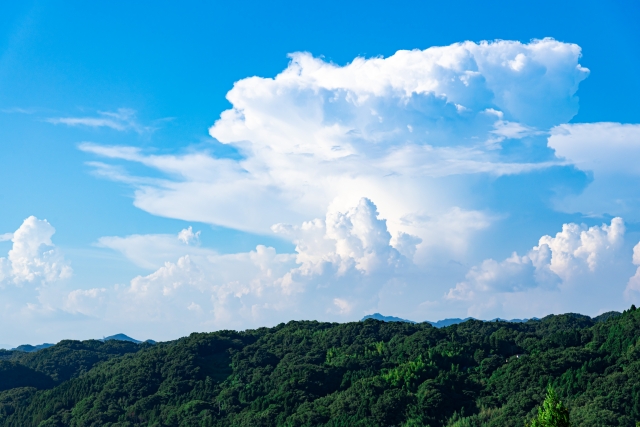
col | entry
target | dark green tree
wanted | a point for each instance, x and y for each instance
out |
(360, 374)
(553, 413)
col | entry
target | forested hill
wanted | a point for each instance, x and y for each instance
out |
(367, 373)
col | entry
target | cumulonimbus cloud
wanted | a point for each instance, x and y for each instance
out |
(424, 134)
(411, 132)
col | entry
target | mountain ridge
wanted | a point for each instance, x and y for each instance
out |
(309, 373)
(28, 348)
(456, 320)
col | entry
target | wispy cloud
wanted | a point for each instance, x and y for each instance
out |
(124, 119)
(18, 110)
(119, 174)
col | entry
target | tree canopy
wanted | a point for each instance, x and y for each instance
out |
(552, 413)
(368, 373)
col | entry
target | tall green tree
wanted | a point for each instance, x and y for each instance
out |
(553, 413)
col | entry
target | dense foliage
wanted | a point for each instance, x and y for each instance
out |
(552, 413)
(367, 373)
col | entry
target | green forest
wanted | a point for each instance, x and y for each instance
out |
(560, 370)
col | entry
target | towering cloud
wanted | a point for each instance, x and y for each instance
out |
(413, 132)
(454, 145)
(33, 257)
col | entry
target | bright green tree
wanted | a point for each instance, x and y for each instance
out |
(553, 413)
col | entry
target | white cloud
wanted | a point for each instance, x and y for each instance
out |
(123, 119)
(430, 135)
(342, 305)
(599, 147)
(574, 259)
(573, 252)
(411, 131)
(632, 290)
(340, 264)
(151, 251)
(33, 257)
(344, 266)
(187, 236)
(406, 244)
(18, 110)
(349, 264)
(505, 129)
(577, 247)
(226, 288)
(33, 281)
(195, 307)
(90, 302)
(511, 275)
(609, 151)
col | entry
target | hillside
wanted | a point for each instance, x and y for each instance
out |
(368, 373)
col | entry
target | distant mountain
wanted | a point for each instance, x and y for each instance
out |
(606, 316)
(438, 324)
(448, 322)
(454, 321)
(378, 316)
(497, 319)
(122, 337)
(27, 348)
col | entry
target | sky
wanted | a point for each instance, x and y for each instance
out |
(172, 167)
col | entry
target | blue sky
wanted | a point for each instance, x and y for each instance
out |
(112, 130)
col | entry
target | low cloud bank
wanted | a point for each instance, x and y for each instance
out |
(345, 265)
